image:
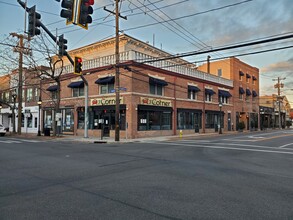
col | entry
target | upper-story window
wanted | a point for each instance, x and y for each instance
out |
(53, 89)
(220, 72)
(224, 96)
(253, 80)
(157, 86)
(209, 95)
(247, 77)
(241, 74)
(29, 94)
(241, 92)
(106, 84)
(77, 88)
(248, 94)
(192, 92)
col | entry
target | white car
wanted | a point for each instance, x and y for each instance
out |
(2, 130)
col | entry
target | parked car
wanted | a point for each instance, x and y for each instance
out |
(2, 130)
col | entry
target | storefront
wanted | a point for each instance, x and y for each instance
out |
(189, 119)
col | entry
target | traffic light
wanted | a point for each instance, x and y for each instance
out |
(62, 45)
(85, 11)
(68, 11)
(77, 65)
(34, 22)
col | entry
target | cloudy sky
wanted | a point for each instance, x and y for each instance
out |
(179, 26)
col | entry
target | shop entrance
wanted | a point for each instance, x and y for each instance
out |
(106, 126)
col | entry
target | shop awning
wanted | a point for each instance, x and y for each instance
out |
(241, 90)
(105, 80)
(209, 91)
(52, 88)
(253, 77)
(248, 92)
(157, 81)
(241, 73)
(224, 93)
(78, 84)
(247, 75)
(254, 94)
(193, 88)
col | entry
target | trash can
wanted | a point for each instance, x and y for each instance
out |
(46, 131)
(196, 128)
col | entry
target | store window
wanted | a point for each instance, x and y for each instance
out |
(30, 122)
(80, 119)
(186, 119)
(154, 120)
(212, 119)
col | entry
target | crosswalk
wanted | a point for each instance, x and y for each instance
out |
(18, 141)
(225, 144)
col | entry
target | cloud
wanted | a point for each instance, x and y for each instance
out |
(282, 67)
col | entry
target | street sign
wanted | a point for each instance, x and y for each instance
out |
(112, 90)
(122, 88)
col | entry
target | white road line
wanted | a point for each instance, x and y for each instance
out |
(228, 148)
(193, 141)
(234, 139)
(283, 146)
(10, 142)
(25, 140)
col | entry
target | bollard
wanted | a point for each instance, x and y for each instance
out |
(180, 134)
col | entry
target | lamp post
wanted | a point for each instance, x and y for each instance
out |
(39, 104)
(0, 111)
(13, 112)
(220, 105)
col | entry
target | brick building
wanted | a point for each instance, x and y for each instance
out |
(156, 98)
(245, 100)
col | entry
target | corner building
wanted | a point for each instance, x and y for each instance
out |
(156, 98)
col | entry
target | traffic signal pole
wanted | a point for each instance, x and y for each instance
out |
(72, 62)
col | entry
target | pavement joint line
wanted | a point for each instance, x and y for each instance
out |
(230, 148)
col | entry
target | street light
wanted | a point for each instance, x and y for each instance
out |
(39, 104)
(220, 105)
(13, 113)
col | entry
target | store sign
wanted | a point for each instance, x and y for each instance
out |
(105, 101)
(155, 102)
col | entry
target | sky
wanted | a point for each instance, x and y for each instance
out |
(179, 26)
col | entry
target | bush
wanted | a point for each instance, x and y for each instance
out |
(241, 125)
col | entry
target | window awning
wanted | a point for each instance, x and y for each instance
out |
(247, 75)
(241, 90)
(193, 88)
(253, 77)
(105, 80)
(209, 91)
(78, 84)
(157, 81)
(241, 73)
(254, 94)
(224, 93)
(248, 92)
(52, 88)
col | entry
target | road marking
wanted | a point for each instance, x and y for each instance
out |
(25, 140)
(10, 142)
(285, 135)
(228, 148)
(283, 146)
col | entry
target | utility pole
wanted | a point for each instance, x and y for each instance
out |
(117, 61)
(21, 51)
(279, 86)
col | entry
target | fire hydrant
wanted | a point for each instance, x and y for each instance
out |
(180, 134)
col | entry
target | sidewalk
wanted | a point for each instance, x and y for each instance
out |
(112, 140)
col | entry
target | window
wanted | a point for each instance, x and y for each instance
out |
(54, 94)
(29, 94)
(36, 94)
(212, 119)
(23, 94)
(6, 96)
(192, 92)
(208, 97)
(224, 99)
(247, 80)
(219, 72)
(36, 122)
(154, 120)
(106, 88)
(188, 120)
(156, 89)
(240, 96)
(78, 92)
(30, 122)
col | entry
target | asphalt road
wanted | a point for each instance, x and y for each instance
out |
(243, 176)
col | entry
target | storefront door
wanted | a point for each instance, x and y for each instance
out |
(106, 129)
